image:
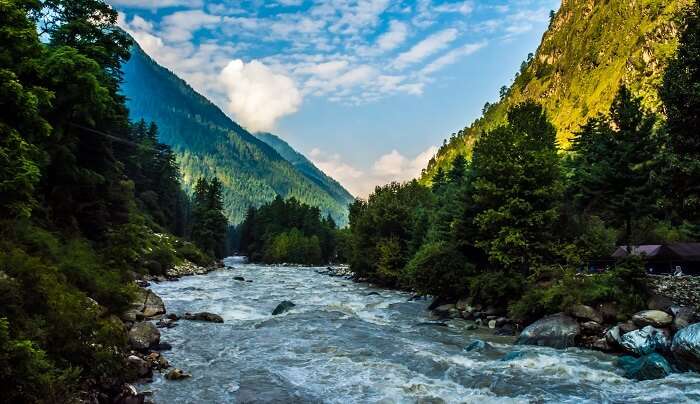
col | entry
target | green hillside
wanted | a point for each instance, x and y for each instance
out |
(307, 168)
(208, 143)
(590, 48)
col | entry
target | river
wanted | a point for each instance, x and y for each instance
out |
(343, 344)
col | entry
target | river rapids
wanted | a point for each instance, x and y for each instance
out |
(342, 343)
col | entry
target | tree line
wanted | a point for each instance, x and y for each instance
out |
(511, 226)
(88, 201)
(288, 231)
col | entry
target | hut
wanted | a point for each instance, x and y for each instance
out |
(674, 258)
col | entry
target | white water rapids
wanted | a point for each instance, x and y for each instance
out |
(340, 344)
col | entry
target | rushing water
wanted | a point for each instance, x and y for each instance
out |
(341, 344)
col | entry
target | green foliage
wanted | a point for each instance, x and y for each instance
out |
(288, 232)
(209, 225)
(439, 269)
(209, 144)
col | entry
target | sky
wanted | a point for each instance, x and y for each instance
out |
(367, 89)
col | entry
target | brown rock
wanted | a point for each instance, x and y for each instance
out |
(586, 313)
(177, 374)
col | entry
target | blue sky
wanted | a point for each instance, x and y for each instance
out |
(366, 88)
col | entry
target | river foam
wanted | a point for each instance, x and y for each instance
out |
(343, 343)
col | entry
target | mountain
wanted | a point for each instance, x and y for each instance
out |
(208, 143)
(307, 168)
(590, 48)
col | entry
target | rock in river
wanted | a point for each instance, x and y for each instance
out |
(655, 318)
(556, 331)
(282, 307)
(586, 313)
(177, 374)
(644, 341)
(648, 367)
(686, 347)
(143, 335)
(204, 316)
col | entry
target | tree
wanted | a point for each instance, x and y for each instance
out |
(517, 187)
(680, 94)
(209, 225)
(614, 162)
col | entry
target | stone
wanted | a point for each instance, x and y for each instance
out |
(471, 327)
(645, 341)
(501, 321)
(157, 360)
(659, 302)
(433, 323)
(479, 346)
(505, 330)
(586, 313)
(204, 316)
(654, 318)
(143, 335)
(177, 374)
(648, 367)
(239, 278)
(146, 305)
(463, 305)
(165, 323)
(513, 355)
(153, 305)
(683, 317)
(140, 367)
(591, 328)
(444, 310)
(129, 395)
(283, 307)
(555, 331)
(601, 344)
(492, 324)
(163, 346)
(613, 336)
(627, 326)
(686, 347)
(373, 294)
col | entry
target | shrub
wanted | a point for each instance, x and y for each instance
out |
(439, 269)
(496, 288)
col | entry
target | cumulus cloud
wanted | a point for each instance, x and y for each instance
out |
(181, 25)
(258, 96)
(392, 166)
(426, 47)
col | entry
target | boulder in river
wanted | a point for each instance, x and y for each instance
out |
(683, 317)
(177, 374)
(282, 307)
(654, 318)
(239, 278)
(686, 347)
(586, 313)
(204, 316)
(555, 331)
(479, 346)
(143, 335)
(645, 341)
(648, 367)
(139, 367)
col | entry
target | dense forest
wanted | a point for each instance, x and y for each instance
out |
(209, 144)
(88, 202)
(579, 65)
(513, 225)
(288, 231)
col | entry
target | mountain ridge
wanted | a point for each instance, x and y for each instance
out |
(579, 66)
(208, 143)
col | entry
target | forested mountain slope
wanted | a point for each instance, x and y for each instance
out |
(208, 143)
(589, 49)
(307, 168)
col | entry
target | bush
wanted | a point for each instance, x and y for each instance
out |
(497, 288)
(439, 269)
(293, 247)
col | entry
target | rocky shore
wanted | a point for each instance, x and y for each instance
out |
(145, 354)
(652, 343)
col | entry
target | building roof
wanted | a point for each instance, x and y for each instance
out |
(673, 251)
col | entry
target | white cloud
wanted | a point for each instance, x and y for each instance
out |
(394, 37)
(451, 57)
(392, 166)
(426, 47)
(180, 26)
(257, 96)
(464, 7)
